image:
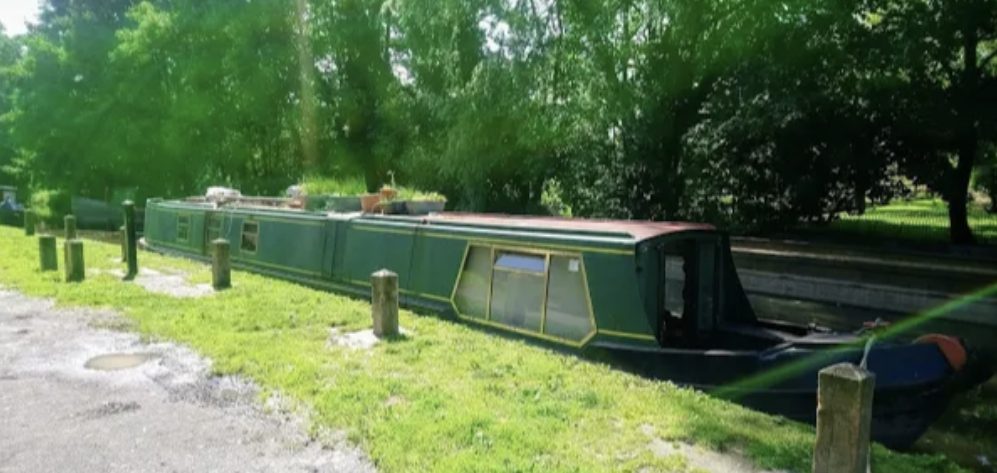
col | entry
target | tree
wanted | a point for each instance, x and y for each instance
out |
(938, 56)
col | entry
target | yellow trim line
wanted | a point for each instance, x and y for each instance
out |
(635, 336)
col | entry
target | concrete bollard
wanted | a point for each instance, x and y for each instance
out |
(70, 222)
(75, 267)
(124, 244)
(47, 256)
(844, 415)
(221, 265)
(130, 239)
(384, 303)
(29, 222)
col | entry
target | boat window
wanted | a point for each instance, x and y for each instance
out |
(520, 262)
(214, 228)
(675, 285)
(472, 290)
(567, 304)
(518, 297)
(183, 227)
(250, 236)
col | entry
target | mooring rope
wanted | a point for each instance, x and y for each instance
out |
(865, 353)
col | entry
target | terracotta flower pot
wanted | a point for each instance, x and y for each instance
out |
(388, 193)
(368, 202)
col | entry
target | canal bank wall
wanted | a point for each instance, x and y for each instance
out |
(800, 280)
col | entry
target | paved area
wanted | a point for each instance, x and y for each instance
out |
(167, 414)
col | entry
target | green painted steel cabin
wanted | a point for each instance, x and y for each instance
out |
(568, 281)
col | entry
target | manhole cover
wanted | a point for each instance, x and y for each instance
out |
(118, 361)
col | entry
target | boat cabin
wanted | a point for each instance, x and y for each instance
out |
(575, 282)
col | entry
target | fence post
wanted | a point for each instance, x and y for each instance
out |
(844, 415)
(124, 244)
(221, 265)
(70, 222)
(29, 222)
(47, 256)
(130, 239)
(384, 303)
(75, 267)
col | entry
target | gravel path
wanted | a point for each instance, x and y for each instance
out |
(167, 414)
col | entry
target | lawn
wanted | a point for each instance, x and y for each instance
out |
(915, 220)
(444, 398)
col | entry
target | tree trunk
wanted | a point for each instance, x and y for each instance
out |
(959, 230)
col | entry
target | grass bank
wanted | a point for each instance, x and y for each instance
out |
(444, 398)
(918, 220)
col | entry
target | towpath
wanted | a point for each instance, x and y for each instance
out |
(167, 413)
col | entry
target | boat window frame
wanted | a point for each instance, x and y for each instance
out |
(183, 222)
(486, 319)
(243, 234)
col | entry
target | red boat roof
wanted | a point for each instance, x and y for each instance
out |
(638, 229)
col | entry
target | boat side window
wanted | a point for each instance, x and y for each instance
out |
(534, 291)
(675, 284)
(518, 290)
(567, 314)
(250, 236)
(471, 297)
(183, 228)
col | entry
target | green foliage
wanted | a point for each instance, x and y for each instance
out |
(50, 206)
(747, 113)
(446, 397)
(552, 199)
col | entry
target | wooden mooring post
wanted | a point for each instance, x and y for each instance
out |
(75, 267)
(844, 415)
(384, 303)
(130, 239)
(29, 222)
(48, 258)
(70, 222)
(221, 265)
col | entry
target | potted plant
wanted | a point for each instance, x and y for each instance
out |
(369, 202)
(422, 203)
(343, 203)
(388, 193)
(392, 207)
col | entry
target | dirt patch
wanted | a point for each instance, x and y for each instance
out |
(359, 340)
(700, 459)
(167, 414)
(166, 282)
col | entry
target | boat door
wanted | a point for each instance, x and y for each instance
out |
(688, 302)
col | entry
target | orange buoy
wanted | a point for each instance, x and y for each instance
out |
(950, 346)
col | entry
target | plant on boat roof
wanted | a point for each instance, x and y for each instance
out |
(409, 193)
(336, 186)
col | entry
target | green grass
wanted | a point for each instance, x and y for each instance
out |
(444, 398)
(916, 220)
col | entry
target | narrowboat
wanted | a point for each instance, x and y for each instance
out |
(11, 212)
(661, 299)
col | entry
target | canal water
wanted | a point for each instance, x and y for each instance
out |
(967, 432)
